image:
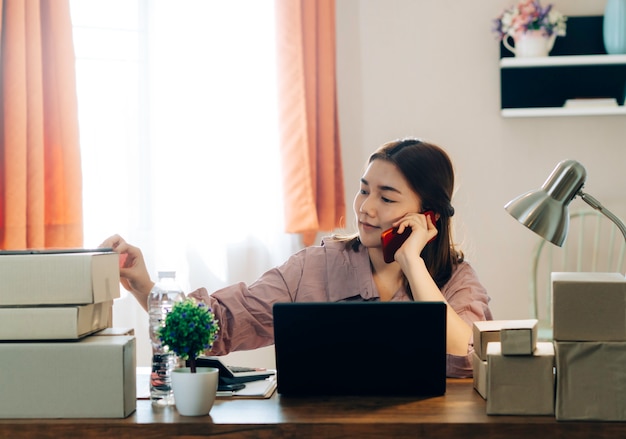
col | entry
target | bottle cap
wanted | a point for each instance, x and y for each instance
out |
(167, 275)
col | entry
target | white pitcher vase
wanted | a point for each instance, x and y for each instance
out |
(532, 43)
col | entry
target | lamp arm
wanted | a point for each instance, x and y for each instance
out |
(597, 206)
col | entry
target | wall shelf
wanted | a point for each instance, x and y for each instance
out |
(561, 111)
(555, 61)
(577, 68)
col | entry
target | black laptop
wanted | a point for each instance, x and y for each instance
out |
(360, 348)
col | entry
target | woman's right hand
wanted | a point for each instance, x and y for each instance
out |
(134, 275)
(423, 231)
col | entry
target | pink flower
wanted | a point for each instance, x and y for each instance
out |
(530, 15)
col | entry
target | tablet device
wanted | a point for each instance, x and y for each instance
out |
(229, 375)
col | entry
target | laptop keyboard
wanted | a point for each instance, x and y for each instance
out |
(240, 369)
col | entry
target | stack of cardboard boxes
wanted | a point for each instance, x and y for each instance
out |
(53, 361)
(512, 371)
(589, 324)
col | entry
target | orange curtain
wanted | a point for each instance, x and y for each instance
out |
(312, 173)
(40, 174)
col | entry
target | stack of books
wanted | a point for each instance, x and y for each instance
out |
(52, 305)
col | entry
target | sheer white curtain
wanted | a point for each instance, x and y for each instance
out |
(179, 139)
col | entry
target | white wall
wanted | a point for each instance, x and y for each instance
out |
(429, 68)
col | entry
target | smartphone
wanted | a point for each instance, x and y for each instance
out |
(230, 387)
(392, 240)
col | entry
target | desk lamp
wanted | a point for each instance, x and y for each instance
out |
(545, 210)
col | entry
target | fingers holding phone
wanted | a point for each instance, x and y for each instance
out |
(393, 238)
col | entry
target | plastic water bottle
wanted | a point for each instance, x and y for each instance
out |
(163, 296)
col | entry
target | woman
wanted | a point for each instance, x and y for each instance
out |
(403, 179)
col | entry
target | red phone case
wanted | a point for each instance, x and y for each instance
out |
(392, 240)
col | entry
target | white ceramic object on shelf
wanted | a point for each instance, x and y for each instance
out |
(530, 44)
(194, 393)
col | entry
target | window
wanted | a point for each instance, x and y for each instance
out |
(179, 138)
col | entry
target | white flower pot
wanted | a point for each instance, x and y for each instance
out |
(194, 393)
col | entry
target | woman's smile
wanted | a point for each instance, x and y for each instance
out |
(367, 227)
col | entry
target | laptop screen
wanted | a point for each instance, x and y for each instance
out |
(360, 348)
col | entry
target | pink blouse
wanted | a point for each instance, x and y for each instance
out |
(327, 273)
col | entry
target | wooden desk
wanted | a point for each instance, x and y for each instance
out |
(460, 413)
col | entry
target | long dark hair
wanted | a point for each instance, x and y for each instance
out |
(429, 171)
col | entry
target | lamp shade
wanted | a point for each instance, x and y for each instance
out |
(545, 211)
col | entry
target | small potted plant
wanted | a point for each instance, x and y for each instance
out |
(191, 328)
(533, 27)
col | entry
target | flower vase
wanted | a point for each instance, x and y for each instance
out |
(614, 27)
(532, 43)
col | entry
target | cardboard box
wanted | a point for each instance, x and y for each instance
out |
(480, 375)
(116, 331)
(591, 381)
(520, 384)
(485, 332)
(589, 306)
(90, 378)
(519, 337)
(53, 322)
(59, 278)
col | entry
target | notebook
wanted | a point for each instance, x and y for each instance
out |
(360, 348)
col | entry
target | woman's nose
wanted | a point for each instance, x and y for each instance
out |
(366, 207)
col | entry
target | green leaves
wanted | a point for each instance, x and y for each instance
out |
(190, 329)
